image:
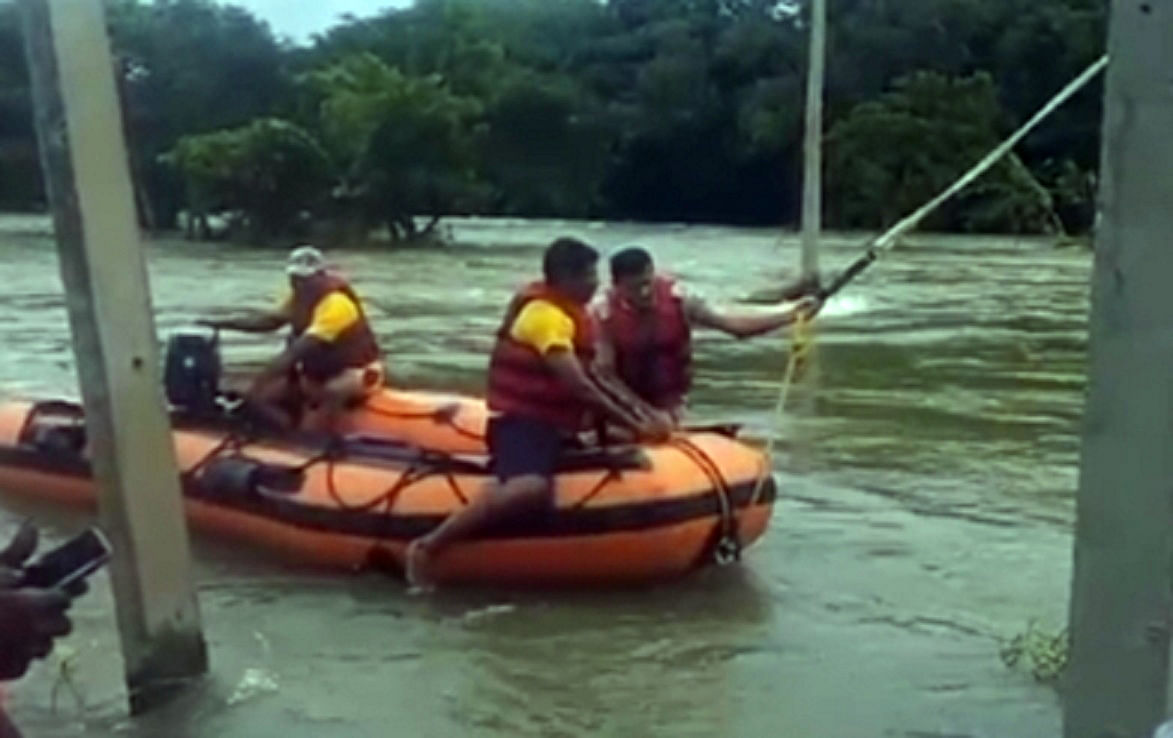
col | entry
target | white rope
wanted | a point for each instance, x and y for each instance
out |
(912, 220)
(889, 238)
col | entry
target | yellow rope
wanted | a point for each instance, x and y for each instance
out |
(800, 347)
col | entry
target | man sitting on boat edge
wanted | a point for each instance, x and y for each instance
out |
(540, 395)
(332, 358)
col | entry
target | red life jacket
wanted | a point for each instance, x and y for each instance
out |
(520, 381)
(354, 348)
(653, 349)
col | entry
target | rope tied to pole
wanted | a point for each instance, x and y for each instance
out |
(887, 240)
(801, 343)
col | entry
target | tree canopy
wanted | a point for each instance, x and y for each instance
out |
(627, 109)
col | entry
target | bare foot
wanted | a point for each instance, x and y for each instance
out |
(415, 566)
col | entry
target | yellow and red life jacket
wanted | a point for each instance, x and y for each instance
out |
(521, 382)
(355, 347)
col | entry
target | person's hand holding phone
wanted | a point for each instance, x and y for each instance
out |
(66, 567)
(30, 618)
(35, 597)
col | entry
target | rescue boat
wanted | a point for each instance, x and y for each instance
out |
(620, 515)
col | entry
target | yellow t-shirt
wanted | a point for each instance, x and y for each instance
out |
(544, 326)
(334, 313)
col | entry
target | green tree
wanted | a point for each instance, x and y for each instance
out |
(189, 67)
(542, 139)
(545, 149)
(640, 109)
(403, 146)
(20, 178)
(890, 156)
(270, 169)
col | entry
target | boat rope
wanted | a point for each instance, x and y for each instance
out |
(457, 492)
(444, 415)
(890, 237)
(800, 348)
(611, 475)
(417, 470)
(233, 441)
(409, 476)
(726, 539)
(801, 339)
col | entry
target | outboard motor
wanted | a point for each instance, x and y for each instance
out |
(191, 374)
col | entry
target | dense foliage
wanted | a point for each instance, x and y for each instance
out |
(627, 109)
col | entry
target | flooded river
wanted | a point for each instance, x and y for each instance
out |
(926, 475)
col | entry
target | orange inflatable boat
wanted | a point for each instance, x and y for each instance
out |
(622, 514)
(433, 420)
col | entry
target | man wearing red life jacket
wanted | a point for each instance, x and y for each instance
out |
(332, 359)
(645, 324)
(541, 394)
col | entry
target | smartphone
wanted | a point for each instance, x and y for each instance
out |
(75, 559)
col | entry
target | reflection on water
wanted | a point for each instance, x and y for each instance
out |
(926, 482)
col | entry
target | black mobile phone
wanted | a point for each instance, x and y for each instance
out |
(75, 559)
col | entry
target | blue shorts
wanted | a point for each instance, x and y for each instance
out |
(521, 446)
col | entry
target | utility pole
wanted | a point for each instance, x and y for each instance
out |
(1121, 588)
(83, 157)
(812, 172)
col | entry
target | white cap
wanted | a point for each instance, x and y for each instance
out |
(305, 261)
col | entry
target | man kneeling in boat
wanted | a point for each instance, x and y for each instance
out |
(645, 324)
(540, 395)
(332, 359)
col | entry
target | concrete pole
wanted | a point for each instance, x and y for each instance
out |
(1121, 598)
(812, 174)
(84, 160)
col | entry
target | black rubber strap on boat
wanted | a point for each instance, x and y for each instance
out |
(455, 487)
(612, 475)
(408, 477)
(231, 441)
(725, 543)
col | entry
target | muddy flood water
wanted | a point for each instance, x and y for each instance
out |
(926, 475)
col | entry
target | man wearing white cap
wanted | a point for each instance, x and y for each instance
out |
(332, 358)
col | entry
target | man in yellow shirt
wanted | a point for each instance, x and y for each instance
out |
(332, 359)
(541, 393)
